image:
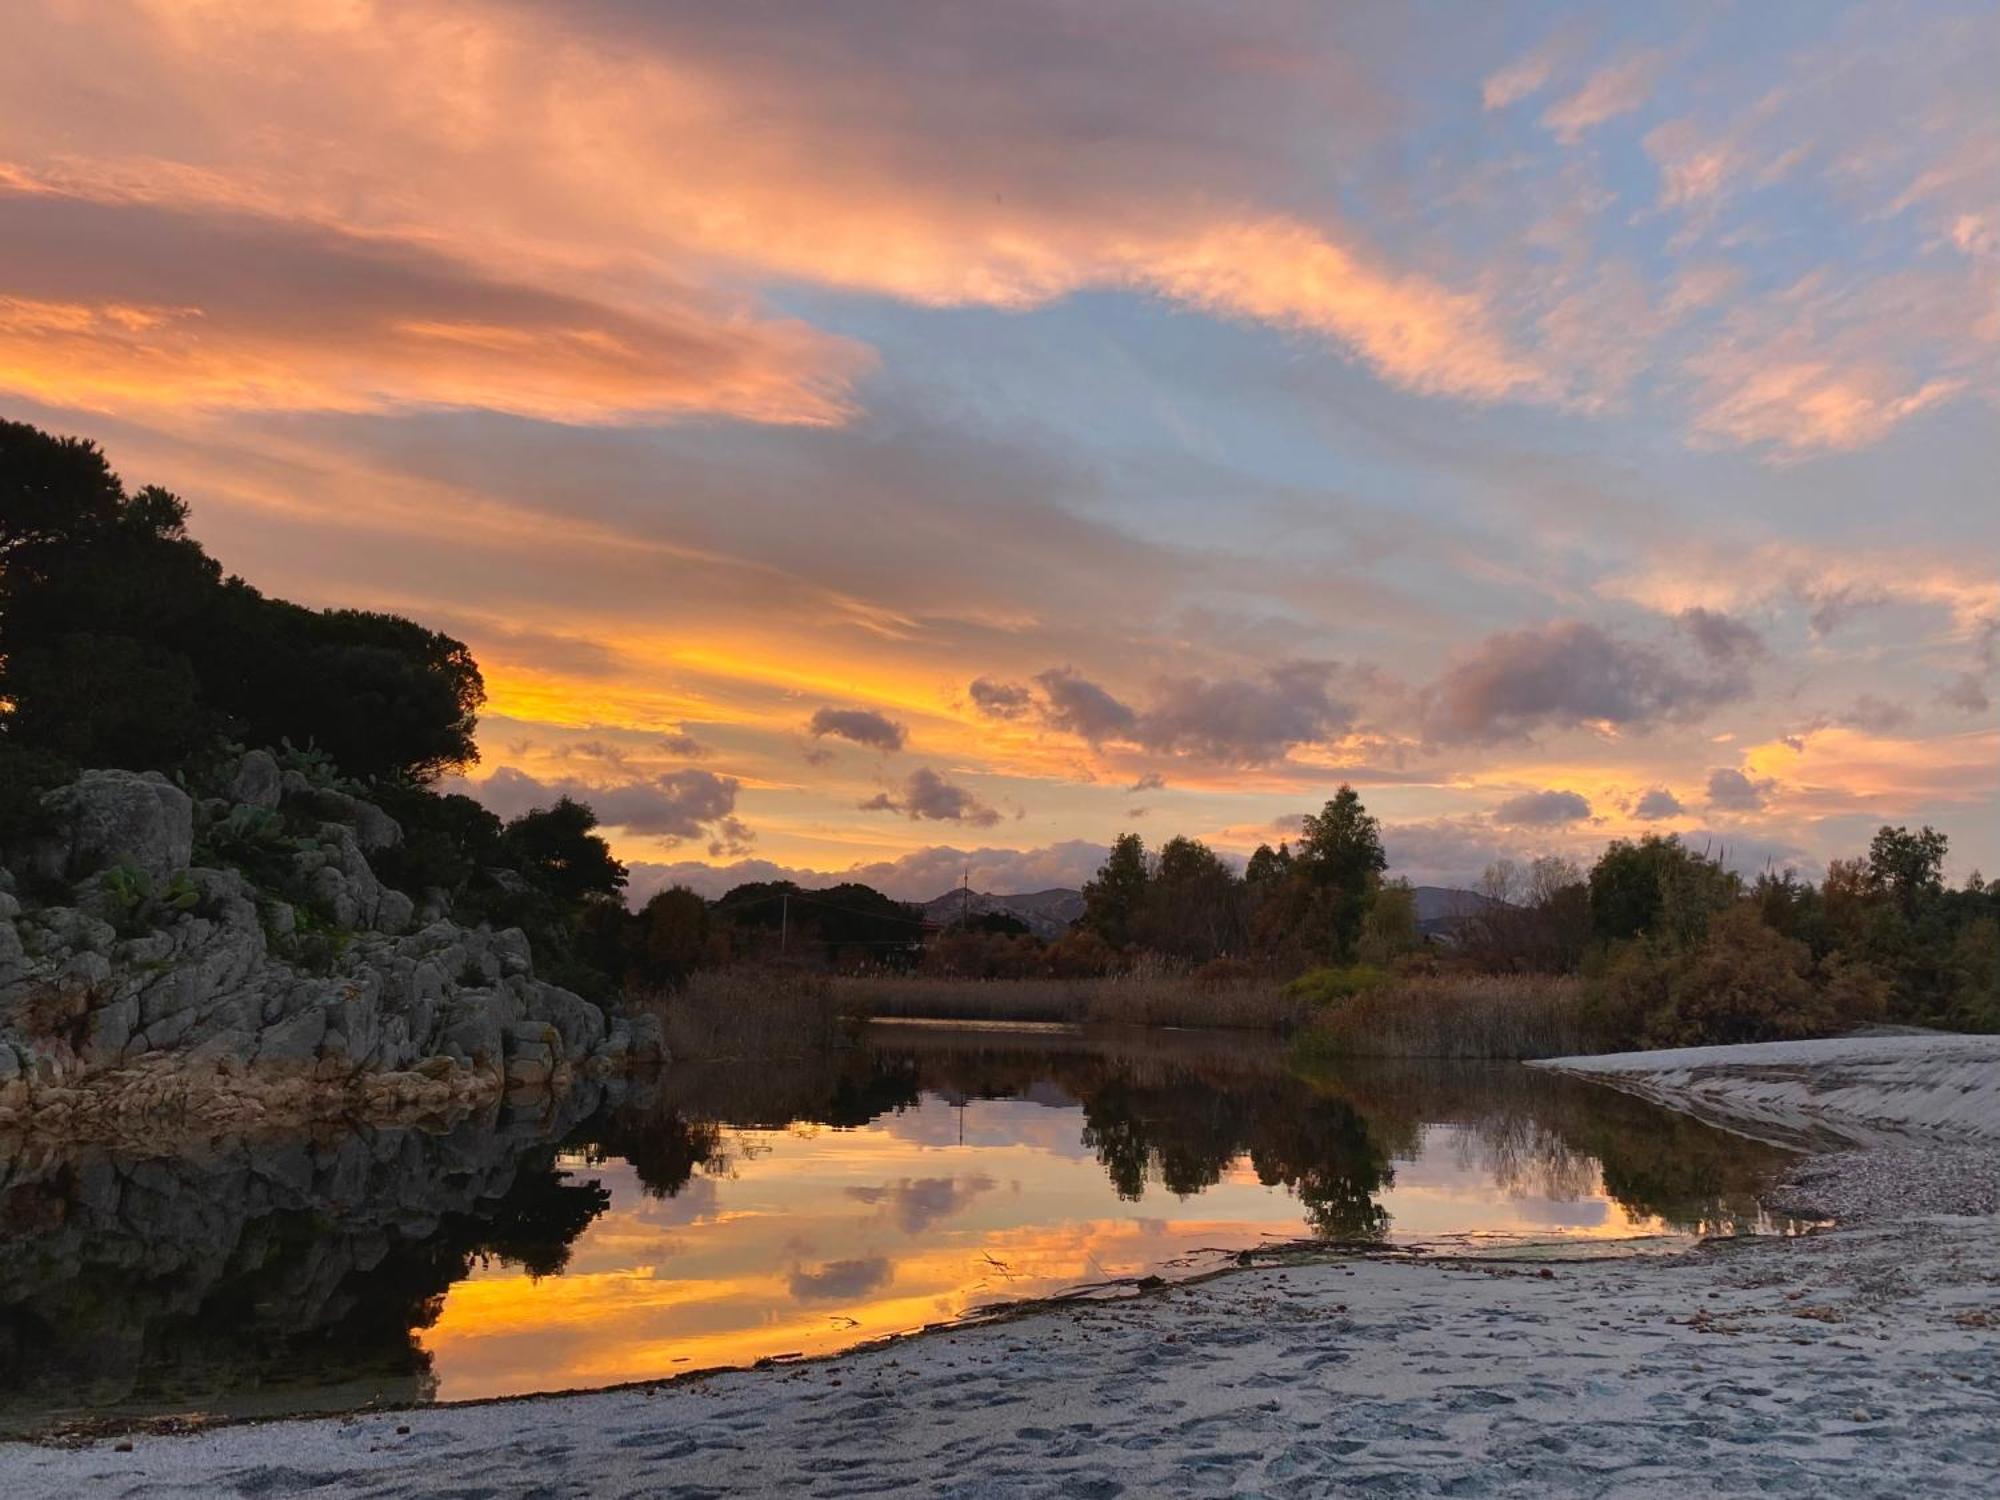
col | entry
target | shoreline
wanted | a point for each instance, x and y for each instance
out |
(1863, 1358)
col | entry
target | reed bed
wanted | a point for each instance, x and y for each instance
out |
(749, 1013)
(1132, 999)
(1464, 1016)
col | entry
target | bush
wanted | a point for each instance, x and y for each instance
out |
(1744, 982)
(1331, 985)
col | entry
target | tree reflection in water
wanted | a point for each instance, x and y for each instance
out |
(297, 1274)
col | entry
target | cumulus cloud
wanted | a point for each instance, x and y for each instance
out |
(1072, 702)
(1655, 804)
(1562, 675)
(1233, 721)
(863, 726)
(1542, 809)
(1729, 790)
(676, 806)
(1000, 700)
(927, 795)
(1241, 720)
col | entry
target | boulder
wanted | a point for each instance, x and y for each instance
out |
(108, 818)
(395, 911)
(258, 781)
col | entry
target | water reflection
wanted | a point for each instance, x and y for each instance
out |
(728, 1213)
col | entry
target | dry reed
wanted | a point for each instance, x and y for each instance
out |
(1456, 1016)
(749, 1013)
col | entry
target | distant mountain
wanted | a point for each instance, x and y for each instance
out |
(1046, 913)
(1440, 908)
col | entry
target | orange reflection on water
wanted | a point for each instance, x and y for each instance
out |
(808, 1240)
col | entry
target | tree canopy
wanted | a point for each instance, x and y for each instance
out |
(123, 644)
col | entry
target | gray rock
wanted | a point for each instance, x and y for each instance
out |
(293, 1041)
(111, 1029)
(258, 781)
(375, 830)
(394, 912)
(108, 818)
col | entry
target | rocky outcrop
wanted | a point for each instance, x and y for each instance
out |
(133, 1281)
(149, 978)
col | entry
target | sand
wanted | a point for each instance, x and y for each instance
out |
(1859, 1361)
(1867, 1090)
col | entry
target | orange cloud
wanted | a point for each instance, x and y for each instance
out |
(234, 312)
(632, 160)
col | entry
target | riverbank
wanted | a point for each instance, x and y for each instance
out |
(1859, 1090)
(1860, 1361)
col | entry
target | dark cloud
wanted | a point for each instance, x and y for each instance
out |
(1830, 608)
(927, 795)
(684, 804)
(1000, 700)
(864, 726)
(1966, 692)
(1152, 781)
(1073, 703)
(1542, 810)
(1560, 676)
(1731, 791)
(918, 1203)
(1721, 638)
(1657, 803)
(839, 1280)
(1877, 715)
(685, 745)
(1236, 721)
(1241, 720)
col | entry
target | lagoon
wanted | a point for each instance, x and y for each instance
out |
(727, 1213)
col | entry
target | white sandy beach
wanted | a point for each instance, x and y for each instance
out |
(1866, 1089)
(1861, 1361)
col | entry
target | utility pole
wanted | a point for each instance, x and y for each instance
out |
(784, 920)
(965, 897)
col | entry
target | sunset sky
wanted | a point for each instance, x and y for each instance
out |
(919, 436)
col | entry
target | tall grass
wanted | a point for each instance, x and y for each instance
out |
(749, 1013)
(1141, 999)
(1455, 1016)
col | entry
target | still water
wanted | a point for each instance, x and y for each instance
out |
(729, 1213)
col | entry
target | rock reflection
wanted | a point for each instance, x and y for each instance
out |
(266, 1275)
(311, 1273)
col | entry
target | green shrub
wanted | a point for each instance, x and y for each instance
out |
(1743, 982)
(1332, 984)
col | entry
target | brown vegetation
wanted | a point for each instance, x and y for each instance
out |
(1456, 1016)
(749, 1012)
